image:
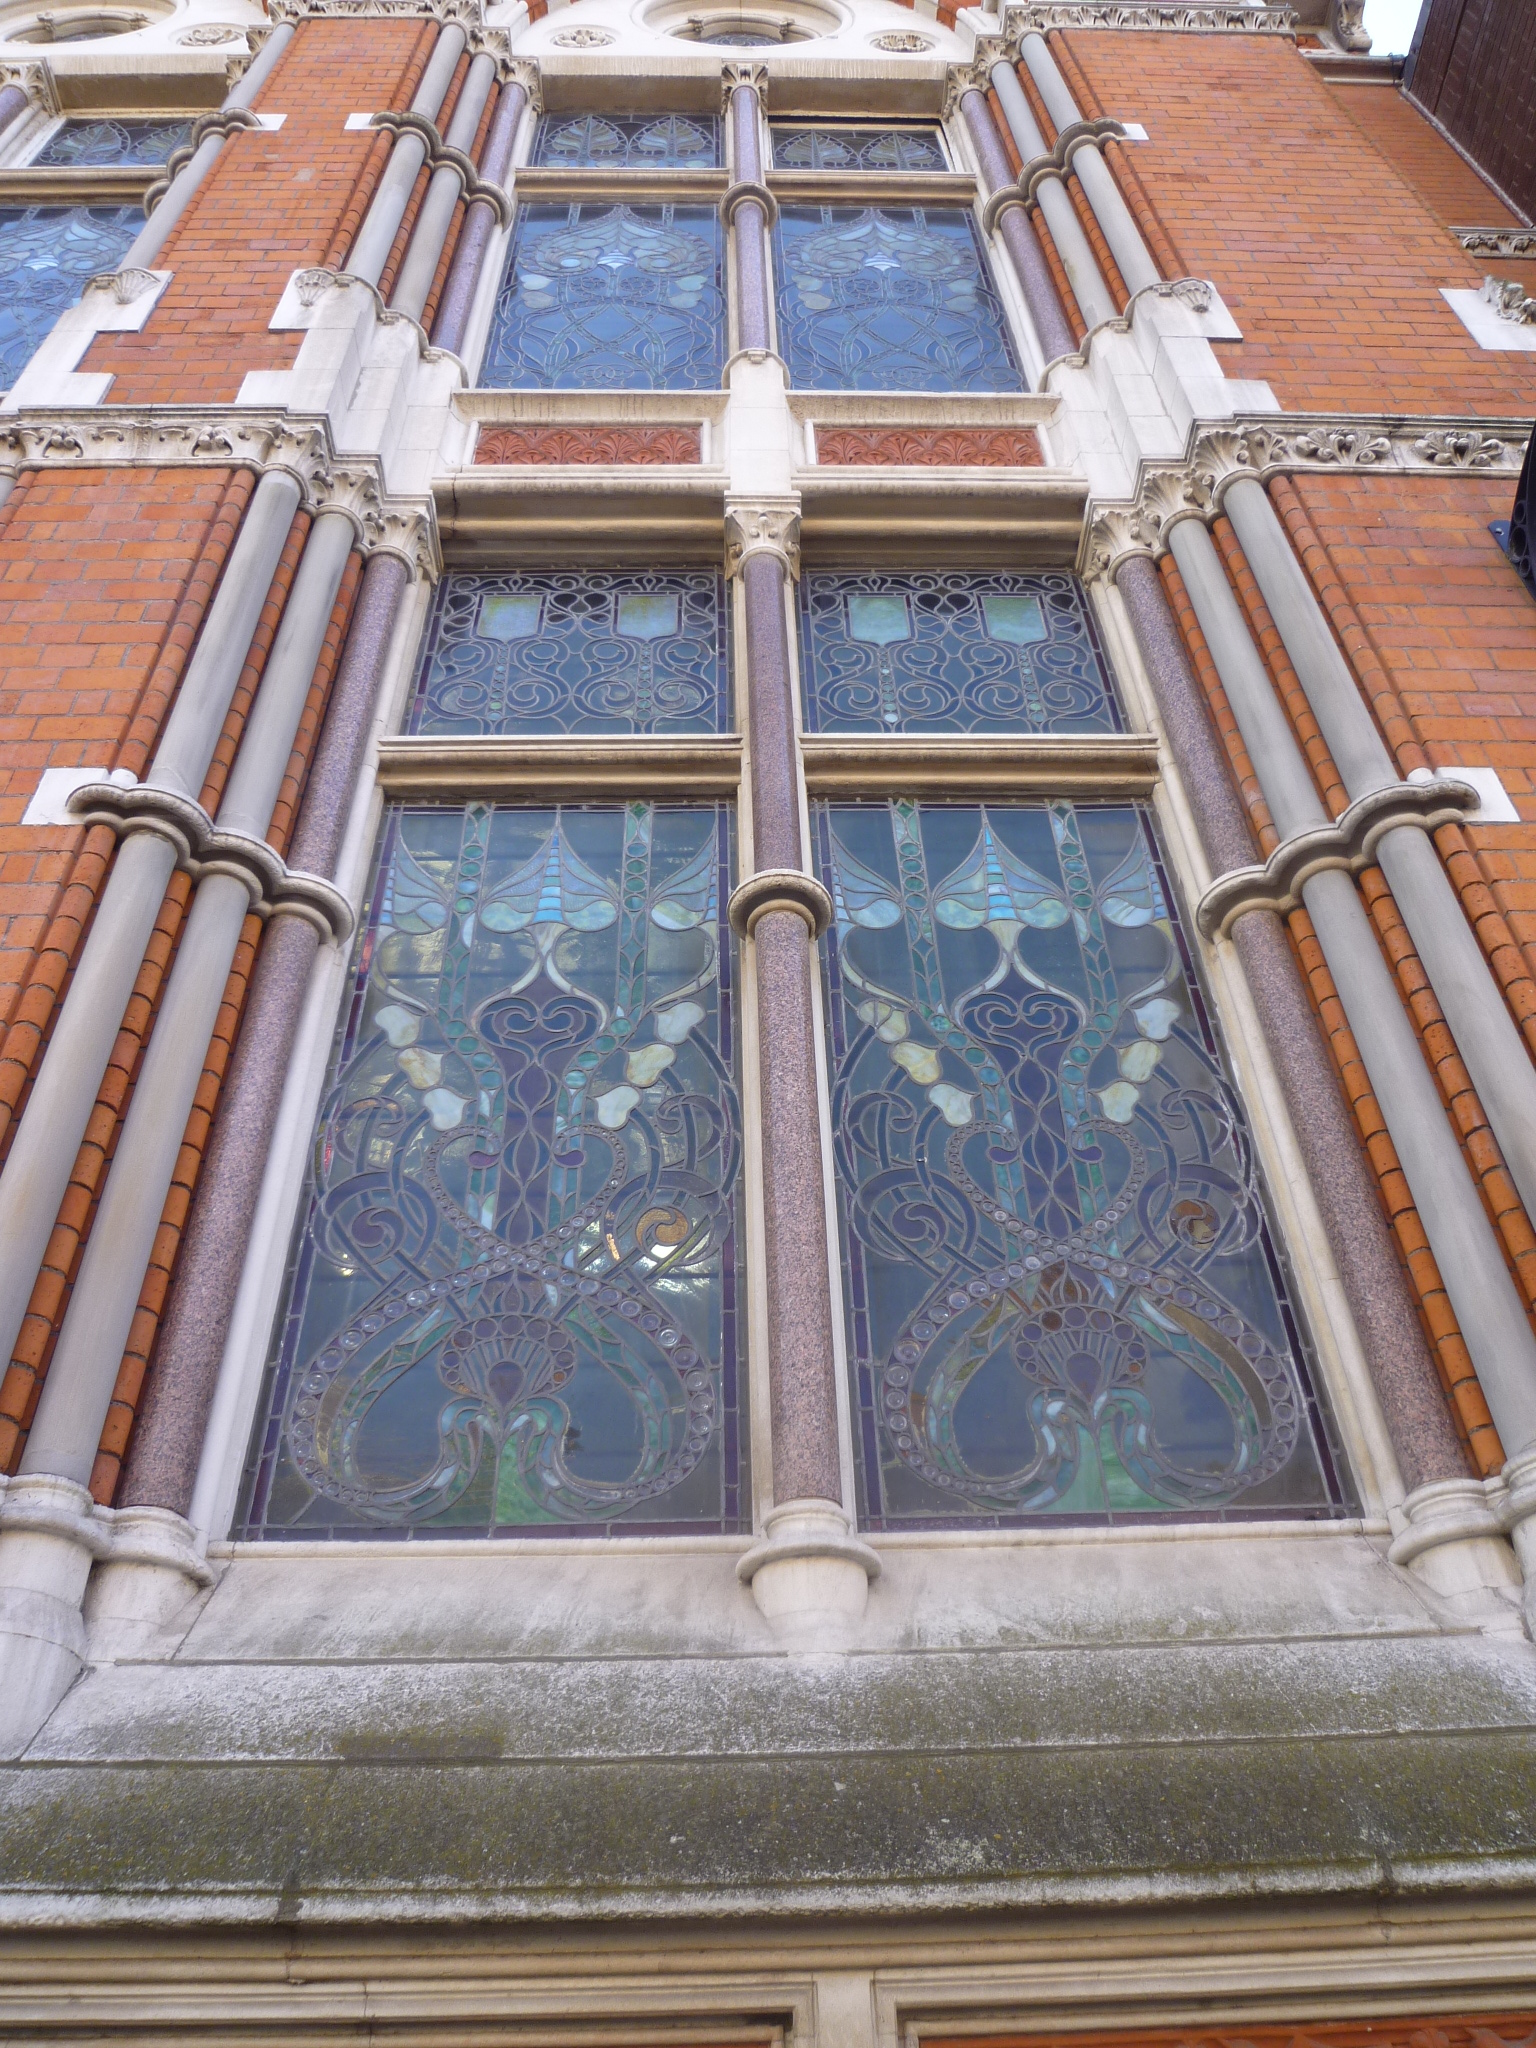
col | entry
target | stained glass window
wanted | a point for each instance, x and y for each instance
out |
(799, 148)
(514, 1297)
(951, 652)
(627, 651)
(1062, 1292)
(648, 142)
(100, 143)
(46, 254)
(889, 299)
(610, 297)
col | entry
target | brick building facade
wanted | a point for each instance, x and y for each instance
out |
(768, 980)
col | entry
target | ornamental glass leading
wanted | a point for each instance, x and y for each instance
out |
(797, 147)
(102, 143)
(668, 142)
(46, 254)
(1063, 1297)
(513, 1301)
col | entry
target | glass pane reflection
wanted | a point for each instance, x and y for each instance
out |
(623, 142)
(513, 1302)
(1063, 1296)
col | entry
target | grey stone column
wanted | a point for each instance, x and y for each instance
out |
(1093, 174)
(1343, 1185)
(155, 233)
(376, 236)
(1458, 969)
(43, 1151)
(1089, 286)
(1052, 328)
(1490, 1312)
(747, 214)
(78, 1390)
(436, 215)
(480, 223)
(163, 1457)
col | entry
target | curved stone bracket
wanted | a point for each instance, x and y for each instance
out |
(745, 191)
(779, 889)
(202, 849)
(441, 154)
(1349, 843)
(1058, 159)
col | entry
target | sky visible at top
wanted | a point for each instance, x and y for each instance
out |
(1390, 23)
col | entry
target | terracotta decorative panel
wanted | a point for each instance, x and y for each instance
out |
(588, 444)
(967, 447)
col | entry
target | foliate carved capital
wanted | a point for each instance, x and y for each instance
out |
(762, 527)
(739, 73)
(469, 13)
(1497, 241)
(973, 77)
(36, 81)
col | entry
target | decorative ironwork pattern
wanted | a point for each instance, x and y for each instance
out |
(46, 254)
(620, 651)
(1062, 1294)
(513, 1300)
(101, 143)
(610, 298)
(889, 299)
(797, 147)
(961, 447)
(647, 142)
(588, 444)
(951, 652)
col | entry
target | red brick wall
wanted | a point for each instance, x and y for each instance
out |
(1330, 260)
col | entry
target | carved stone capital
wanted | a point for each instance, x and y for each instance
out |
(762, 527)
(960, 79)
(779, 889)
(35, 80)
(743, 72)
(202, 849)
(1497, 241)
(1348, 25)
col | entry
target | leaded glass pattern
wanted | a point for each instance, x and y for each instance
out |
(513, 1301)
(610, 297)
(46, 254)
(101, 143)
(1063, 1297)
(951, 652)
(647, 142)
(889, 299)
(830, 147)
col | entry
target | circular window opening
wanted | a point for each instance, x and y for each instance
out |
(76, 25)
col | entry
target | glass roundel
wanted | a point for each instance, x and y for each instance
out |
(513, 1298)
(1062, 1293)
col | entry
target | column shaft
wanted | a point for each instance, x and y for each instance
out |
(463, 284)
(754, 325)
(376, 236)
(1088, 283)
(1052, 328)
(436, 216)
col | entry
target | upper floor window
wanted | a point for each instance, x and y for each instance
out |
(46, 255)
(647, 142)
(889, 299)
(830, 147)
(99, 144)
(598, 296)
(564, 651)
(951, 652)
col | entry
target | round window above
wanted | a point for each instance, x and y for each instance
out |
(741, 32)
(77, 25)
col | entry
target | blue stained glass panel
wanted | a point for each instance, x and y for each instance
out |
(98, 144)
(46, 254)
(889, 299)
(797, 147)
(610, 298)
(642, 142)
(1063, 1297)
(951, 652)
(611, 651)
(513, 1303)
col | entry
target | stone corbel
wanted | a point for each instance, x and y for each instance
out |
(741, 72)
(113, 302)
(439, 153)
(1348, 25)
(762, 527)
(773, 889)
(275, 889)
(1349, 843)
(1509, 301)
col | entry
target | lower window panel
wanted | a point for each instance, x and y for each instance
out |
(513, 1298)
(1062, 1290)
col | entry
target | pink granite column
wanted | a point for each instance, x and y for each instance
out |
(1052, 327)
(480, 223)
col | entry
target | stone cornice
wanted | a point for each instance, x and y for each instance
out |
(176, 437)
(1200, 17)
(1497, 241)
(468, 13)
(1278, 444)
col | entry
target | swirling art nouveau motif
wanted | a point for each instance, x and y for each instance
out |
(832, 147)
(513, 1300)
(647, 142)
(889, 299)
(1062, 1293)
(104, 142)
(46, 255)
(561, 652)
(951, 652)
(610, 298)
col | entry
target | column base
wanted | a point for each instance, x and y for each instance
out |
(140, 1588)
(1455, 1543)
(810, 1575)
(1517, 1514)
(48, 1543)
